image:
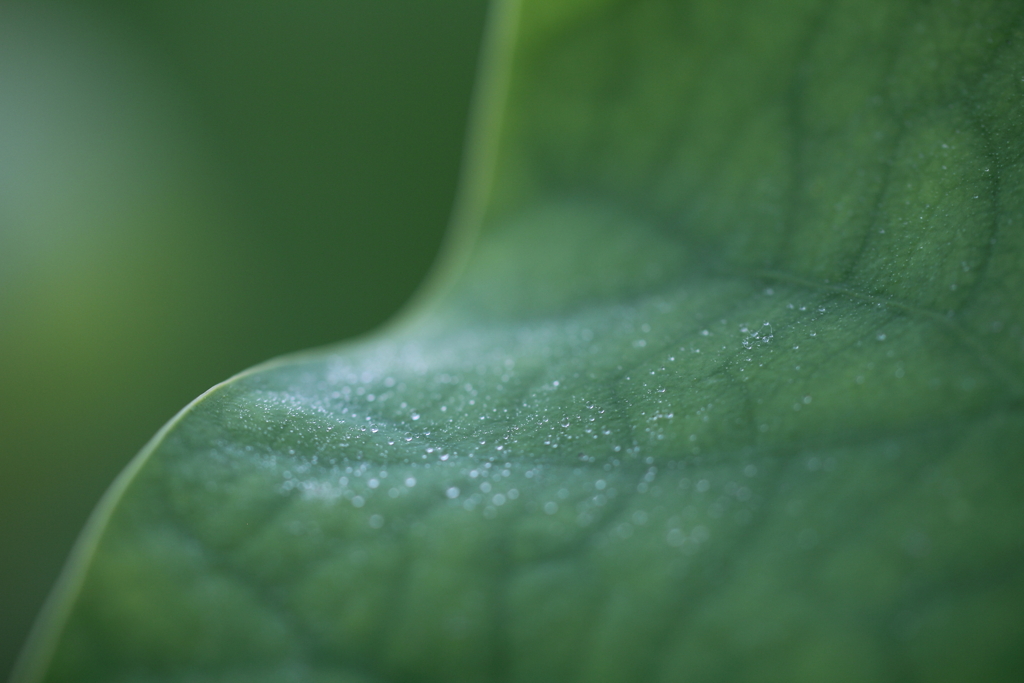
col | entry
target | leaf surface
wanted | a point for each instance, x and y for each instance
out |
(722, 380)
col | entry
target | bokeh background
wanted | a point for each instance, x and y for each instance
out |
(188, 188)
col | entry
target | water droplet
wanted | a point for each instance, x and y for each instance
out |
(452, 492)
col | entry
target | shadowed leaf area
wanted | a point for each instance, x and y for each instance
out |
(729, 389)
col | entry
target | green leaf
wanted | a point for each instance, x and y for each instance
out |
(722, 379)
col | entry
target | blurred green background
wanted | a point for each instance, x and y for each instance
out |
(186, 189)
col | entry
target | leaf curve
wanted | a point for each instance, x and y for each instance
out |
(724, 382)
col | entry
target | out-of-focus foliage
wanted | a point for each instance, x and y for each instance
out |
(187, 188)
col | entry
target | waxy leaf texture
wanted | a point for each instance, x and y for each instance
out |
(720, 380)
